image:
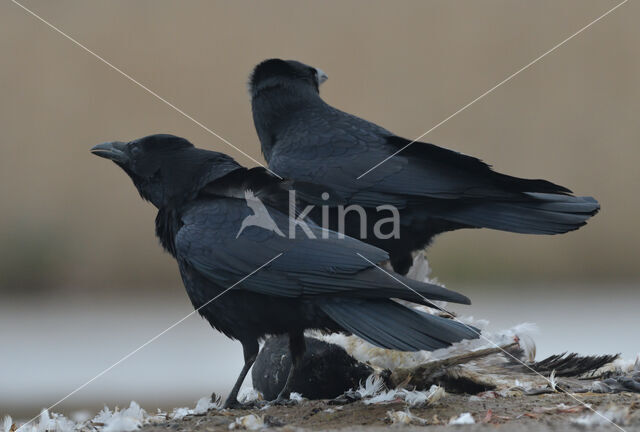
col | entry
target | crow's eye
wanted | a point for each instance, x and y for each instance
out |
(135, 150)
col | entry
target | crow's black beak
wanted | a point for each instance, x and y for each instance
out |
(114, 150)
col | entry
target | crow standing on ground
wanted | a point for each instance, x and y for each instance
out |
(435, 189)
(308, 283)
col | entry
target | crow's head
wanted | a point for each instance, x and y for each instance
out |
(285, 73)
(167, 170)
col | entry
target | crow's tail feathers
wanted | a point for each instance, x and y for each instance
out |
(388, 324)
(536, 213)
(392, 285)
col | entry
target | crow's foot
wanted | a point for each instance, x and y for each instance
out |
(234, 404)
(282, 401)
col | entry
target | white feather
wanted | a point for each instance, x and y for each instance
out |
(296, 397)
(462, 419)
(249, 394)
(615, 414)
(372, 386)
(553, 382)
(7, 423)
(250, 422)
(127, 420)
(402, 418)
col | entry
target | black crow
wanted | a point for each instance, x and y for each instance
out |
(290, 277)
(434, 189)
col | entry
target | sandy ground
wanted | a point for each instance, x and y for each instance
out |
(523, 413)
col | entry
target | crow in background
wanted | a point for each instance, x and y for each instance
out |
(435, 189)
(309, 283)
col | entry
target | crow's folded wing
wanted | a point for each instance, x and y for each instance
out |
(304, 266)
(328, 146)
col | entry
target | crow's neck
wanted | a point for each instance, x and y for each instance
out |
(277, 108)
(169, 217)
(168, 223)
(180, 191)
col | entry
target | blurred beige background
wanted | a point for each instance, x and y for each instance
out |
(70, 220)
(83, 280)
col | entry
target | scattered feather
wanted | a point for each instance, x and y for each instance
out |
(47, 422)
(462, 419)
(386, 396)
(420, 269)
(80, 416)
(616, 415)
(435, 394)
(249, 394)
(405, 417)
(205, 404)
(522, 385)
(180, 413)
(415, 398)
(103, 415)
(296, 397)
(419, 398)
(372, 386)
(527, 344)
(7, 425)
(249, 422)
(553, 382)
(126, 420)
(412, 398)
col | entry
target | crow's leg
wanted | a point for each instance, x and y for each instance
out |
(250, 349)
(296, 349)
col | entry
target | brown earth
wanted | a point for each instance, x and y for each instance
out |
(519, 413)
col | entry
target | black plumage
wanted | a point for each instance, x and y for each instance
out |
(281, 284)
(326, 372)
(435, 189)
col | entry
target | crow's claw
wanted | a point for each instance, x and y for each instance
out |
(234, 404)
(282, 401)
